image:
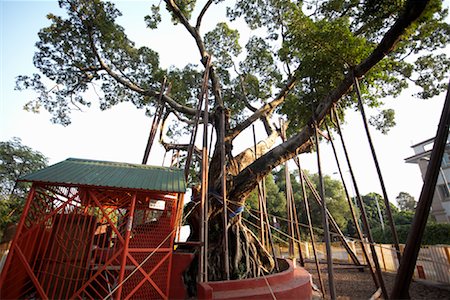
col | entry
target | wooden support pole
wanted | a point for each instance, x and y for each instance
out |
(352, 210)
(308, 215)
(260, 197)
(205, 198)
(325, 221)
(333, 223)
(409, 259)
(292, 211)
(380, 176)
(289, 211)
(156, 120)
(263, 213)
(297, 231)
(268, 232)
(224, 195)
(289, 196)
(364, 217)
(204, 90)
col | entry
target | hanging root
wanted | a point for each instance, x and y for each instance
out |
(248, 257)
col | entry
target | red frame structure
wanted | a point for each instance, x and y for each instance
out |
(92, 242)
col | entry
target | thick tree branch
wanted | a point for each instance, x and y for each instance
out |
(202, 13)
(183, 147)
(267, 126)
(264, 110)
(130, 85)
(173, 104)
(183, 20)
(246, 157)
(247, 180)
(201, 47)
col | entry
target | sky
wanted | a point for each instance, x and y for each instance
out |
(120, 134)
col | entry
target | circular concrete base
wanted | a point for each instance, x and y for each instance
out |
(291, 283)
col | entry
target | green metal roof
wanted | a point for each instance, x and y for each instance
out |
(75, 171)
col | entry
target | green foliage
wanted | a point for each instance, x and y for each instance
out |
(435, 234)
(431, 69)
(324, 51)
(262, 13)
(406, 202)
(154, 19)
(186, 84)
(67, 56)
(186, 7)
(370, 205)
(259, 64)
(16, 160)
(334, 197)
(318, 43)
(223, 43)
(402, 217)
(384, 121)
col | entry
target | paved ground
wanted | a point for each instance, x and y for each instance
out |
(352, 284)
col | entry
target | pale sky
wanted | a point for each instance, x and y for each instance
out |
(120, 134)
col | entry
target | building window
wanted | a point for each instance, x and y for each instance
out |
(444, 191)
(446, 160)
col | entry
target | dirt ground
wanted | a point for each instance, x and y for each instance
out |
(353, 284)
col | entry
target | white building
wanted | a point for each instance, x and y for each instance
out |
(440, 207)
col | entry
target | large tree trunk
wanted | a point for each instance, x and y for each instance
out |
(248, 258)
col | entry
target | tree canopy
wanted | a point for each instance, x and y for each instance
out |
(16, 160)
(406, 202)
(298, 60)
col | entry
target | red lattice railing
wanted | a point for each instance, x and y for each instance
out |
(90, 243)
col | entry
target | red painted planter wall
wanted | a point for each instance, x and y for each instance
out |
(292, 283)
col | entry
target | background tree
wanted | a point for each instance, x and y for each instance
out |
(298, 64)
(406, 202)
(334, 196)
(276, 207)
(373, 211)
(16, 160)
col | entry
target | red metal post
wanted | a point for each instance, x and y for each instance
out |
(176, 224)
(125, 246)
(16, 236)
(33, 278)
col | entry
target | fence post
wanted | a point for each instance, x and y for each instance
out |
(382, 257)
(306, 250)
(447, 253)
(353, 247)
(420, 272)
